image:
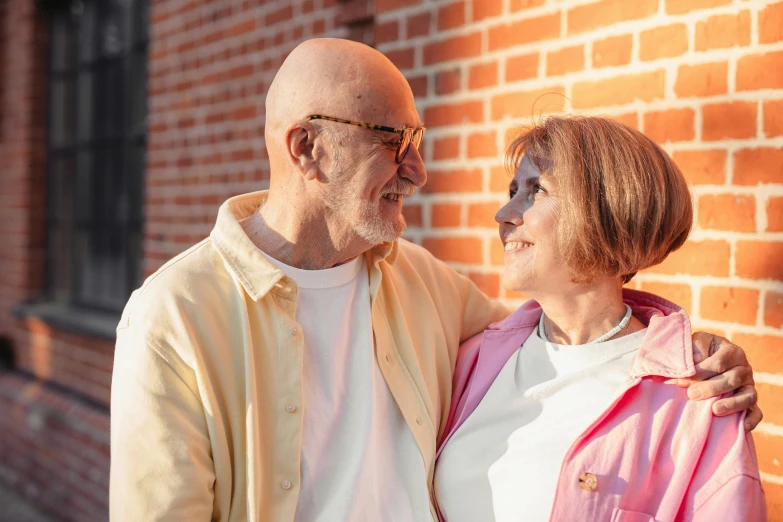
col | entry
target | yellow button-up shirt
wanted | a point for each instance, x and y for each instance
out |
(206, 403)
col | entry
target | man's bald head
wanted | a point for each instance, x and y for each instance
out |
(337, 78)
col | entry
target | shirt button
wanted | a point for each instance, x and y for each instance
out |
(588, 482)
(285, 484)
(290, 408)
(294, 331)
(418, 420)
(387, 358)
(289, 288)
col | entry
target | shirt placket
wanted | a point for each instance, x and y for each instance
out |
(288, 402)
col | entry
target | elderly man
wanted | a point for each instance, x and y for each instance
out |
(297, 364)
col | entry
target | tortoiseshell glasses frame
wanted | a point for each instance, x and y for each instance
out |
(408, 135)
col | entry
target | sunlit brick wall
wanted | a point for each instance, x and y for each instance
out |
(702, 77)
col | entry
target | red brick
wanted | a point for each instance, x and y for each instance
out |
(764, 352)
(445, 148)
(697, 258)
(521, 67)
(728, 120)
(446, 215)
(686, 6)
(454, 114)
(451, 16)
(702, 167)
(482, 215)
(525, 104)
(760, 260)
(630, 119)
(456, 249)
(732, 212)
(485, 9)
(679, 294)
(755, 166)
(487, 283)
(769, 454)
(613, 51)
(281, 15)
(775, 214)
(773, 118)
(773, 310)
(386, 32)
(618, 90)
(401, 58)
(483, 75)
(564, 61)
(448, 81)
(663, 42)
(412, 215)
(419, 25)
(671, 125)
(774, 495)
(729, 304)
(608, 12)
(482, 145)
(456, 48)
(771, 23)
(770, 399)
(760, 71)
(521, 5)
(243, 27)
(701, 80)
(524, 31)
(418, 85)
(384, 6)
(452, 181)
(723, 31)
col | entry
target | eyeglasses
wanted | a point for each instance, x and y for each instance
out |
(408, 135)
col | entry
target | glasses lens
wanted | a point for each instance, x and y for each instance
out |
(418, 134)
(404, 144)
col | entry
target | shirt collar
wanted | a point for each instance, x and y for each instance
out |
(244, 259)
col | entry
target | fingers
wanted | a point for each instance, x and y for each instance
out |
(727, 356)
(744, 399)
(734, 379)
(753, 418)
(703, 346)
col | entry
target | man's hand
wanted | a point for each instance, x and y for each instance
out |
(721, 367)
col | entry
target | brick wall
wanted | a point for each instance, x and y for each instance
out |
(700, 76)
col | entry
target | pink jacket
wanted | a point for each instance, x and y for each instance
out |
(653, 455)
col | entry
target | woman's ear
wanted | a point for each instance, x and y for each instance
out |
(300, 141)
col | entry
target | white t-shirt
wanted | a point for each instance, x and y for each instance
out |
(503, 463)
(360, 461)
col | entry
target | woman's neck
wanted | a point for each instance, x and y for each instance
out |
(584, 313)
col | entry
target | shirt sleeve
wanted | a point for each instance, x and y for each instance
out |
(161, 463)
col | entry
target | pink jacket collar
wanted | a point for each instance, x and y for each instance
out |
(666, 350)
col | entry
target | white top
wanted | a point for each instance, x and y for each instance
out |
(503, 463)
(360, 461)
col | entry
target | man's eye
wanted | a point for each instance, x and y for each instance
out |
(538, 188)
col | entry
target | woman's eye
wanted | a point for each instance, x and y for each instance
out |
(511, 194)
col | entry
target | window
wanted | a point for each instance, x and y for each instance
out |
(96, 147)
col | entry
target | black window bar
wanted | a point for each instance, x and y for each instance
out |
(96, 148)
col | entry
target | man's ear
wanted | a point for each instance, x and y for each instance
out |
(300, 141)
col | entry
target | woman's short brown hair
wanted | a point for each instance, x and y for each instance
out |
(626, 205)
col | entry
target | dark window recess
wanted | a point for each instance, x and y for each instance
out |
(96, 143)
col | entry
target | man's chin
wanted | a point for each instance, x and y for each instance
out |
(377, 231)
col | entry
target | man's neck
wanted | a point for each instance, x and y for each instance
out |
(585, 312)
(300, 236)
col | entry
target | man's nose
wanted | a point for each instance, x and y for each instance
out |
(414, 171)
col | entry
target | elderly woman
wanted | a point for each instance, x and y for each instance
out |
(563, 411)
